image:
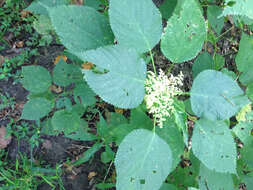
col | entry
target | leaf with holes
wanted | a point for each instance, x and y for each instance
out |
(81, 27)
(216, 96)
(143, 161)
(183, 38)
(123, 83)
(214, 146)
(239, 7)
(136, 24)
(36, 108)
(210, 179)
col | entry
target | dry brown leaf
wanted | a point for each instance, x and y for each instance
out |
(3, 140)
(20, 44)
(24, 13)
(87, 65)
(91, 175)
(118, 110)
(56, 89)
(57, 59)
(1, 60)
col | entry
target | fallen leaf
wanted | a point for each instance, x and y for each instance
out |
(20, 44)
(118, 110)
(57, 59)
(3, 140)
(91, 175)
(24, 13)
(56, 89)
(87, 66)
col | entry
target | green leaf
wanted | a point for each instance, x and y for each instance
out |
(171, 134)
(64, 74)
(219, 61)
(249, 91)
(167, 8)
(43, 25)
(105, 185)
(41, 6)
(239, 7)
(210, 179)
(203, 62)
(36, 79)
(86, 95)
(88, 154)
(36, 108)
(136, 24)
(123, 84)
(248, 180)
(184, 37)
(213, 145)
(167, 186)
(243, 131)
(216, 22)
(143, 161)
(244, 59)
(67, 122)
(229, 73)
(108, 155)
(95, 4)
(81, 27)
(82, 134)
(216, 96)
(247, 153)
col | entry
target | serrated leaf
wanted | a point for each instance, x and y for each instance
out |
(64, 74)
(36, 79)
(216, 96)
(67, 122)
(123, 84)
(216, 22)
(132, 29)
(171, 134)
(143, 161)
(41, 6)
(203, 62)
(244, 59)
(239, 7)
(183, 38)
(213, 145)
(81, 28)
(36, 108)
(210, 179)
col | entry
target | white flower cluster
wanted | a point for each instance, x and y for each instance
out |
(160, 94)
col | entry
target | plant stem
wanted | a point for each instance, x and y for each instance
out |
(153, 62)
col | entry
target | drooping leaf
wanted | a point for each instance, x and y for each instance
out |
(143, 161)
(36, 79)
(216, 96)
(64, 74)
(128, 19)
(209, 179)
(171, 134)
(213, 15)
(41, 6)
(239, 7)
(36, 108)
(123, 84)
(213, 145)
(184, 37)
(244, 59)
(81, 28)
(203, 62)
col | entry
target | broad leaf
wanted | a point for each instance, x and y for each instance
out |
(36, 79)
(36, 108)
(84, 94)
(210, 179)
(41, 6)
(239, 7)
(123, 84)
(167, 8)
(184, 37)
(136, 24)
(81, 27)
(216, 96)
(244, 59)
(64, 74)
(167, 186)
(249, 91)
(203, 62)
(213, 145)
(243, 131)
(216, 22)
(143, 161)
